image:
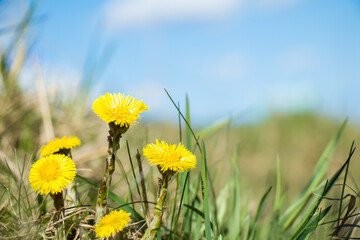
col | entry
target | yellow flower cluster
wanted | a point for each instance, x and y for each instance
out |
(119, 109)
(112, 223)
(59, 143)
(52, 173)
(169, 156)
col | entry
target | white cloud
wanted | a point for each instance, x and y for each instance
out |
(274, 3)
(130, 13)
(120, 14)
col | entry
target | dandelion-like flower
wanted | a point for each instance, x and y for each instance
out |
(170, 156)
(52, 173)
(112, 223)
(119, 109)
(59, 143)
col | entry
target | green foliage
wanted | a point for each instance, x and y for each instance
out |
(215, 201)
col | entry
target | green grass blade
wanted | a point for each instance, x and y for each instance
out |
(187, 124)
(293, 211)
(323, 163)
(205, 194)
(343, 187)
(222, 201)
(315, 204)
(200, 213)
(188, 129)
(235, 225)
(310, 214)
(186, 219)
(134, 175)
(261, 206)
(129, 191)
(180, 129)
(181, 203)
(278, 187)
(26, 193)
(212, 129)
(214, 207)
(246, 228)
(173, 216)
(197, 225)
(194, 200)
(313, 223)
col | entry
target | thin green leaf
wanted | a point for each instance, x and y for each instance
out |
(261, 206)
(293, 211)
(315, 204)
(205, 194)
(200, 213)
(211, 130)
(313, 223)
(278, 186)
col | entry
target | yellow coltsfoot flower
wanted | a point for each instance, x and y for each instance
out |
(170, 156)
(52, 173)
(119, 109)
(59, 143)
(112, 223)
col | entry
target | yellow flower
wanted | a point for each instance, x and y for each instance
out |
(170, 156)
(59, 143)
(52, 173)
(112, 223)
(118, 108)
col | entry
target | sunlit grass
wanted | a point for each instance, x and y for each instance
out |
(288, 177)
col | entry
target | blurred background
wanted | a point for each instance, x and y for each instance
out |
(286, 72)
(239, 58)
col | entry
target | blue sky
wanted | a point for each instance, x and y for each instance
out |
(232, 57)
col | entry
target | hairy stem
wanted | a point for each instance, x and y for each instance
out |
(115, 133)
(58, 204)
(155, 224)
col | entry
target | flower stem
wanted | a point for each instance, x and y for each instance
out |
(58, 204)
(115, 133)
(143, 187)
(155, 224)
(71, 196)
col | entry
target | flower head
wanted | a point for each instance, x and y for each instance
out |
(59, 143)
(112, 223)
(118, 108)
(52, 173)
(169, 156)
